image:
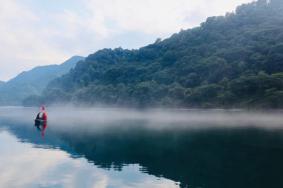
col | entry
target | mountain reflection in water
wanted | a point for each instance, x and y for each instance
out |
(172, 156)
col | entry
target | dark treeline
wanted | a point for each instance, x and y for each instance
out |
(229, 61)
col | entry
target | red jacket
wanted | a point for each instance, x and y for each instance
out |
(44, 117)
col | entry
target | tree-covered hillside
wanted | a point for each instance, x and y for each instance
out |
(229, 61)
(33, 82)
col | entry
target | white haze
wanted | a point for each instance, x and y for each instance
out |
(94, 118)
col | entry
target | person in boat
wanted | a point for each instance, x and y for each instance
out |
(41, 120)
(41, 116)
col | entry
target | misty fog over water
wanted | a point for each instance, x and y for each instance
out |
(118, 147)
(150, 118)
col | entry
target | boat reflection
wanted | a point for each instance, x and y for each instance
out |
(41, 126)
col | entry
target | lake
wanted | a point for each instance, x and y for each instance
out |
(123, 148)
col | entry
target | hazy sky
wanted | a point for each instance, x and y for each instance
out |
(40, 32)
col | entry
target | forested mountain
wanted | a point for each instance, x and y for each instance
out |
(33, 82)
(1, 82)
(229, 61)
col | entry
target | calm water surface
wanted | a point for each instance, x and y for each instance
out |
(116, 148)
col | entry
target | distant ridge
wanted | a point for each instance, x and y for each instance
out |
(32, 82)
